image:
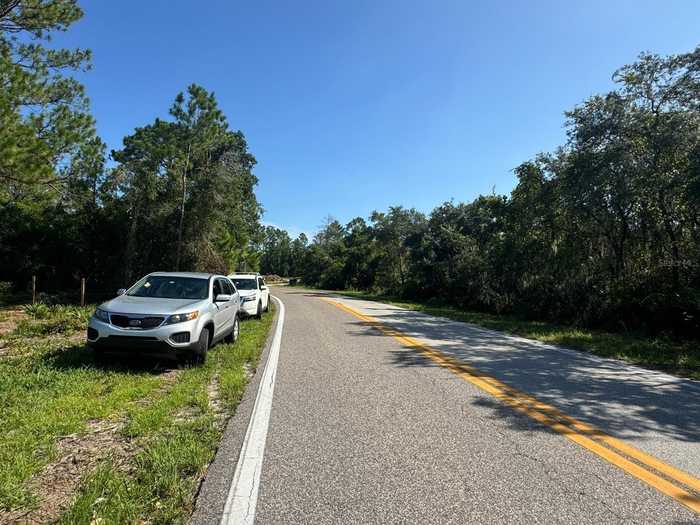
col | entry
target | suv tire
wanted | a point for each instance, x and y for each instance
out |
(258, 315)
(232, 337)
(199, 354)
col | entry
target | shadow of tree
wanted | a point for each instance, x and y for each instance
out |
(623, 400)
(81, 356)
(308, 293)
(515, 420)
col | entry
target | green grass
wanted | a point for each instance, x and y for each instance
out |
(53, 387)
(676, 357)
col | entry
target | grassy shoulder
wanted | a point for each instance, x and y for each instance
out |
(115, 442)
(679, 358)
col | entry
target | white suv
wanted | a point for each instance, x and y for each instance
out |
(179, 314)
(255, 295)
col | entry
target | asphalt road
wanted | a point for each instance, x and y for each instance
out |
(364, 429)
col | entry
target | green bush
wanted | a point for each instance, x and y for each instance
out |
(37, 310)
(53, 319)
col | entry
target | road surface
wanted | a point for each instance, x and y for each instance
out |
(380, 423)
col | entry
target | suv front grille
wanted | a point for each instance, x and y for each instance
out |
(133, 321)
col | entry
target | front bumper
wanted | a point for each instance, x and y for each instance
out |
(249, 307)
(168, 339)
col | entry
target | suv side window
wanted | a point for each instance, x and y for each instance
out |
(218, 289)
(261, 283)
(228, 286)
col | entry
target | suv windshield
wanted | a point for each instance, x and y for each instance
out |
(171, 287)
(245, 284)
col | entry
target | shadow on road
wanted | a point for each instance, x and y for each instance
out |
(624, 401)
(308, 293)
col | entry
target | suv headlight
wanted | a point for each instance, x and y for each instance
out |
(102, 315)
(181, 318)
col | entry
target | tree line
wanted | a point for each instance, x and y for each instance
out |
(602, 232)
(179, 193)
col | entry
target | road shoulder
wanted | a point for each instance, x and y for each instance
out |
(215, 486)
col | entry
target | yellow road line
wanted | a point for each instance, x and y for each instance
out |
(581, 433)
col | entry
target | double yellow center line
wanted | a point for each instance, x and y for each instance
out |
(665, 478)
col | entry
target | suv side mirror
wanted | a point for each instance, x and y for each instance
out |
(222, 298)
(121, 291)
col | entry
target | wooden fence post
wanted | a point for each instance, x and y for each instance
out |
(33, 289)
(82, 291)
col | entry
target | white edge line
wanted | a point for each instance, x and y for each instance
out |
(243, 493)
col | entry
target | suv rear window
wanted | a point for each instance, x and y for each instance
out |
(165, 287)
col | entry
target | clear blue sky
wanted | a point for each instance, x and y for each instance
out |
(351, 106)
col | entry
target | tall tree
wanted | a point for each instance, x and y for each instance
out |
(44, 116)
(50, 157)
(190, 181)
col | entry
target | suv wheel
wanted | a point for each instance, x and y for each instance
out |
(232, 337)
(258, 315)
(199, 354)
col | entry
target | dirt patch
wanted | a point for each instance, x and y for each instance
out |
(9, 319)
(186, 414)
(169, 378)
(76, 337)
(78, 455)
(215, 402)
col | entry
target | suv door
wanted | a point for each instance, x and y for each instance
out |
(223, 317)
(235, 299)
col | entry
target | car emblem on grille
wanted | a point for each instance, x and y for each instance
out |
(135, 322)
